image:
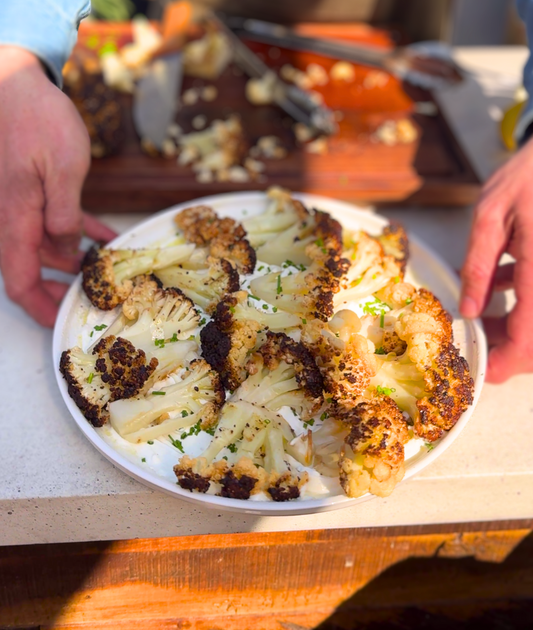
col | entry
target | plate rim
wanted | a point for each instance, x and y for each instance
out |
(261, 508)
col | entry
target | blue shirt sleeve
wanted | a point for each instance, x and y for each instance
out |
(525, 10)
(47, 28)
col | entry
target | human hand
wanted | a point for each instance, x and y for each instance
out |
(44, 158)
(503, 222)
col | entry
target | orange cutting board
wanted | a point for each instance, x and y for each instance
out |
(432, 170)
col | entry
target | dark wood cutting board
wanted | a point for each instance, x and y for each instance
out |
(433, 170)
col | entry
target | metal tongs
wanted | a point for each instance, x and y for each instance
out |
(425, 64)
(293, 100)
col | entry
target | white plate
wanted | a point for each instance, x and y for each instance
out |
(426, 269)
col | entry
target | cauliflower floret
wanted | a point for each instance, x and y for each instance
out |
(107, 273)
(430, 380)
(292, 244)
(283, 374)
(230, 338)
(204, 287)
(228, 351)
(370, 269)
(223, 238)
(308, 293)
(345, 359)
(373, 457)
(152, 316)
(395, 243)
(255, 440)
(198, 396)
(115, 369)
(425, 327)
(281, 213)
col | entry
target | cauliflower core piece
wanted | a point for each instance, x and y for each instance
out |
(204, 287)
(198, 396)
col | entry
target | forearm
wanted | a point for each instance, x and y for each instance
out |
(47, 28)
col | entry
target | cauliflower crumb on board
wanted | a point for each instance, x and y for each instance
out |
(277, 358)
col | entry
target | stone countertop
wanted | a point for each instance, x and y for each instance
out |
(55, 487)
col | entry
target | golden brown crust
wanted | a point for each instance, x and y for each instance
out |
(378, 433)
(451, 392)
(99, 282)
(224, 237)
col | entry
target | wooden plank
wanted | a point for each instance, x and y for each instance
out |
(254, 580)
(431, 170)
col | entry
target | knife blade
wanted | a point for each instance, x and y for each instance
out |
(155, 99)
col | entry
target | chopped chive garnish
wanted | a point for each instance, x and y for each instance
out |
(159, 343)
(158, 393)
(90, 378)
(100, 327)
(143, 460)
(279, 288)
(396, 279)
(202, 321)
(260, 268)
(387, 391)
(304, 321)
(408, 301)
(254, 297)
(275, 309)
(232, 448)
(176, 443)
(150, 442)
(184, 413)
(173, 338)
(91, 333)
(265, 306)
(380, 351)
(430, 446)
(192, 338)
(232, 309)
(324, 415)
(382, 320)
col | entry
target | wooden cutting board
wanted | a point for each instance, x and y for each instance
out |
(432, 170)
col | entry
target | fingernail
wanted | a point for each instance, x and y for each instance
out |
(468, 307)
